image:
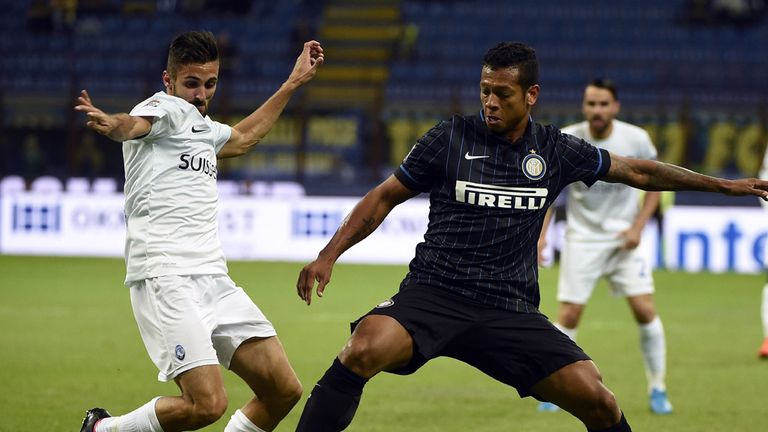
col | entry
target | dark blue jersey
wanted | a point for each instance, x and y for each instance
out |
(488, 197)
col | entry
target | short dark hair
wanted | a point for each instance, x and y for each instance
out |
(517, 55)
(606, 84)
(192, 47)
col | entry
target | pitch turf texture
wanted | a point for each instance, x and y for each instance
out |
(69, 342)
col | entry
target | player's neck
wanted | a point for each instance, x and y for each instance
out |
(601, 135)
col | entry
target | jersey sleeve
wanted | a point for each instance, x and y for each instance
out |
(221, 134)
(421, 167)
(581, 161)
(166, 116)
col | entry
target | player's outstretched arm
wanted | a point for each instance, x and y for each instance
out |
(361, 221)
(118, 127)
(659, 176)
(249, 131)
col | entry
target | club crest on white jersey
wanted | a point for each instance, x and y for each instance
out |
(511, 197)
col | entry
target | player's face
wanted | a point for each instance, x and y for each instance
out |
(506, 105)
(599, 108)
(195, 83)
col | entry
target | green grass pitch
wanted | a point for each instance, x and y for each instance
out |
(69, 342)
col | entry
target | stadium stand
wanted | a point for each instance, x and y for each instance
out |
(694, 78)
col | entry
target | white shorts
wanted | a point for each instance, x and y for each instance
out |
(194, 320)
(582, 265)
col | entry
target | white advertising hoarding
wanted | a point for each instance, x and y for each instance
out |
(250, 228)
(714, 239)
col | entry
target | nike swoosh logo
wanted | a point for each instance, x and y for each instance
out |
(470, 157)
(196, 130)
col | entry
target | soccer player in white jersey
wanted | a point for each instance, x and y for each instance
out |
(604, 227)
(763, 351)
(190, 314)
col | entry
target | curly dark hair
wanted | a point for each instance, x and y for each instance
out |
(191, 47)
(517, 55)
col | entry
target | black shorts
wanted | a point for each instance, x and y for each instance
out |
(518, 349)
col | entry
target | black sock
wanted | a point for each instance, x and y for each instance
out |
(333, 401)
(621, 426)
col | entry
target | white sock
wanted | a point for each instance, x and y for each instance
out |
(240, 423)
(765, 310)
(571, 333)
(654, 348)
(143, 419)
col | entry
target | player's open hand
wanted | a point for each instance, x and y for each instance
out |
(631, 238)
(98, 120)
(309, 60)
(318, 271)
(748, 186)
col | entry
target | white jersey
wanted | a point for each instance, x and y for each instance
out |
(171, 200)
(601, 212)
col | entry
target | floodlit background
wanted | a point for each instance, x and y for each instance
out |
(693, 73)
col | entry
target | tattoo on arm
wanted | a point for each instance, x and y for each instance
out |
(654, 176)
(369, 225)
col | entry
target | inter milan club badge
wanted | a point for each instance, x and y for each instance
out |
(534, 166)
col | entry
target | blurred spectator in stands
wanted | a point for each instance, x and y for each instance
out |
(406, 40)
(63, 15)
(229, 59)
(191, 7)
(166, 6)
(39, 17)
(716, 12)
(33, 158)
(88, 160)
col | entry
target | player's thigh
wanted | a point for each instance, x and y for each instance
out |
(379, 342)
(517, 349)
(174, 325)
(581, 266)
(263, 364)
(238, 319)
(202, 385)
(630, 273)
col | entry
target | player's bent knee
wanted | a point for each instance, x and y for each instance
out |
(359, 357)
(290, 394)
(208, 413)
(603, 409)
(206, 410)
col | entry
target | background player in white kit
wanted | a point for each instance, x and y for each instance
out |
(763, 351)
(604, 227)
(190, 314)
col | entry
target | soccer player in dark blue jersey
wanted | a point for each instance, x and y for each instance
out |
(472, 291)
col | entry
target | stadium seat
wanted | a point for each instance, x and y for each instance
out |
(286, 189)
(78, 185)
(11, 184)
(104, 185)
(228, 187)
(281, 189)
(46, 184)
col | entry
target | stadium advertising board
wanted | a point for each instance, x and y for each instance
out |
(717, 239)
(714, 239)
(249, 228)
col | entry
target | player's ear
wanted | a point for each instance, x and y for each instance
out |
(532, 94)
(167, 82)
